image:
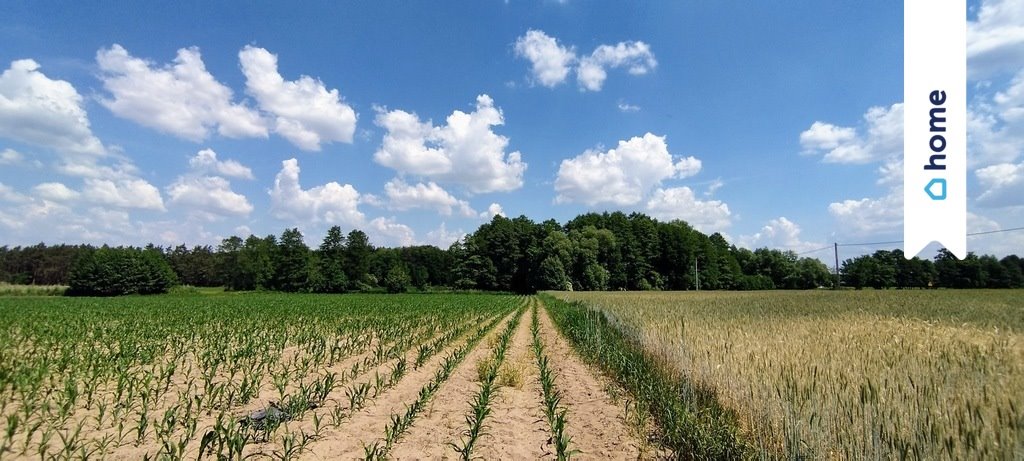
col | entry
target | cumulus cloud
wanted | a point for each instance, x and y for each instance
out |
(182, 98)
(442, 237)
(330, 203)
(55, 191)
(391, 233)
(493, 210)
(620, 176)
(882, 137)
(465, 152)
(550, 62)
(995, 40)
(206, 161)
(210, 194)
(870, 216)
(1002, 184)
(430, 196)
(681, 203)
(780, 233)
(634, 55)
(305, 112)
(123, 193)
(37, 110)
(204, 194)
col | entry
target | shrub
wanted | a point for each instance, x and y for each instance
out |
(120, 271)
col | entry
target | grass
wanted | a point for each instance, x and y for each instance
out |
(7, 289)
(849, 375)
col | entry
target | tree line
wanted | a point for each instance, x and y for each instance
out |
(594, 251)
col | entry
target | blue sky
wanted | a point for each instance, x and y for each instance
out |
(777, 125)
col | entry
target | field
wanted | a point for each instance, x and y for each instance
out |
(844, 375)
(690, 375)
(298, 377)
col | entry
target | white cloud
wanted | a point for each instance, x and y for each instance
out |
(391, 233)
(55, 191)
(11, 157)
(123, 193)
(8, 194)
(410, 145)
(306, 112)
(331, 203)
(465, 151)
(209, 194)
(493, 210)
(634, 55)
(870, 216)
(206, 161)
(402, 196)
(883, 138)
(442, 237)
(620, 176)
(182, 99)
(779, 233)
(716, 184)
(37, 110)
(825, 136)
(550, 61)
(681, 203)
(995, 41)
(1002, 184)
(628, 108)
(687, 166)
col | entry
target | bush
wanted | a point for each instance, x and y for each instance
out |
(120, 271)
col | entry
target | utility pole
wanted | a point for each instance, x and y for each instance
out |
(836, 248)
(696, 273)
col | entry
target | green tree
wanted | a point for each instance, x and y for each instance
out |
(357, 259)
(291, 268)
(331, 263)
(397, 279)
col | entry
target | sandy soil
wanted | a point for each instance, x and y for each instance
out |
(367, 425)
(595, 424)
(444, 418)
(517, 428)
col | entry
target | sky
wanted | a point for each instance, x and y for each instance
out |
(775, 124)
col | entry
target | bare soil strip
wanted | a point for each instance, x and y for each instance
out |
(595, 423)
(367, 425)
(444, 420)
(516, 428)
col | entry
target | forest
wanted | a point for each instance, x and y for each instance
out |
(592, 252)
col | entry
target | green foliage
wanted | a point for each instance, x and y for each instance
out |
(120, 271)
(397, 279)
(693, 423)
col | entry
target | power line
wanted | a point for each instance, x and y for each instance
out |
(814, 251)
(894, 242)
(996, 231)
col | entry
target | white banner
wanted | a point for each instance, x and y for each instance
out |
(934, 125)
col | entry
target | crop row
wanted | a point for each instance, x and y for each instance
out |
(134, 377)
(692, 422)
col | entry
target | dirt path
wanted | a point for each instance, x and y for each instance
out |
(516, 428)
(367, 425)
(595, 424)
(444, 419)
